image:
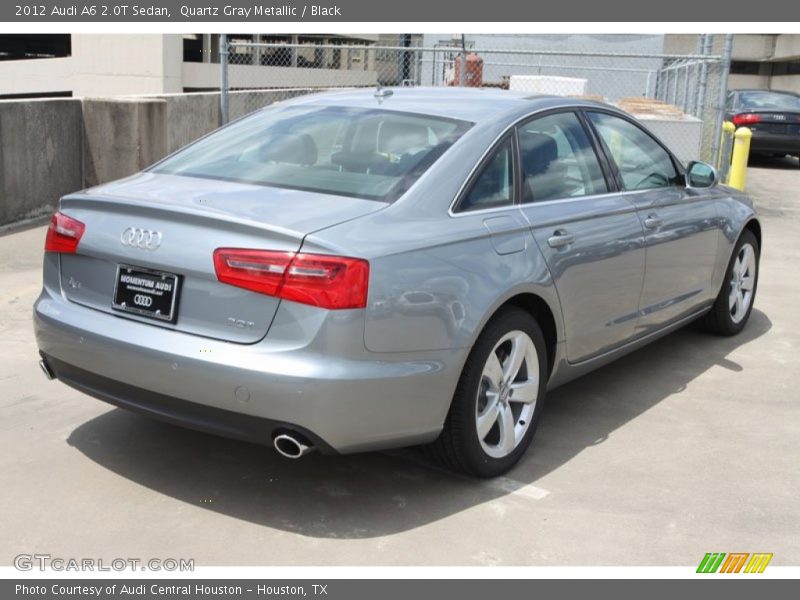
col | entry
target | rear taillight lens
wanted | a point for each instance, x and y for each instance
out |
(326, 281)
(333, 282)
(64, 234)
(746, 119)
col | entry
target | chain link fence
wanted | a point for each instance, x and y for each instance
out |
(679, 97)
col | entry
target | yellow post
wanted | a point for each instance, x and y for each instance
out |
(741, 150)
(728, 130)
(616, 146)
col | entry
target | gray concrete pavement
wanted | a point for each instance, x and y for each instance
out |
(688, 446)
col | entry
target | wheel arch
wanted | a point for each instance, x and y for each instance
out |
(540, 310)
(754, 226)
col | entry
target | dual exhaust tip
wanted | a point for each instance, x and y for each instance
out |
(286, 444)
(290, 446)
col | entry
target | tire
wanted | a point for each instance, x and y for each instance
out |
(727, 317)
(483, 392)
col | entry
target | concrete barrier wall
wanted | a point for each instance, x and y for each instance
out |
(188, 117)
(122, 136)
(49, 148)
(40, 155)
(243, 102)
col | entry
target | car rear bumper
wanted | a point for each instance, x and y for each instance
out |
(250, 392)
(176, 411)
(768, 142)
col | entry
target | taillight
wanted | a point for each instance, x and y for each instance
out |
(64, 234)
(333, 282)
(746, 119)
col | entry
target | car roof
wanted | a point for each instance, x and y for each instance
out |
(786, 92)
(468, 104)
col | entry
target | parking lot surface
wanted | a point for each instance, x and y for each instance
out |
(688, 446)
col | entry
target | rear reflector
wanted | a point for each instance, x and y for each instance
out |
(746, 119)
(64, 234)
(333, 282)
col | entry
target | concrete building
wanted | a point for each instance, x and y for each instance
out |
(84, 65)
(761, 61)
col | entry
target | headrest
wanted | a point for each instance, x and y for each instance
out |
(400, 138)
(538, 151)
(292, 148)
(365, 137)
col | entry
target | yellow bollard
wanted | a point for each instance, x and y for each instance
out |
(616, 146)
(728, 129)
(741, 150)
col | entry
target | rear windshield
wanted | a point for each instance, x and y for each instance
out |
(365, 153)
(769, 101)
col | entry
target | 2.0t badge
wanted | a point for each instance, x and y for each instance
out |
(141, 238)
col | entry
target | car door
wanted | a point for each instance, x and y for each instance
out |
(588, 233)
(681, 225)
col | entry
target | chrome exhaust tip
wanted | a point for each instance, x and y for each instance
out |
(46, 370)
(289, 446)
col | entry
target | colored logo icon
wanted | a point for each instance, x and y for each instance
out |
(734, 562)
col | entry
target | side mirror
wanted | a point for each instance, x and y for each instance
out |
(701, 175)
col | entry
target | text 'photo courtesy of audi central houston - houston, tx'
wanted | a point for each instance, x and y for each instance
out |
(362, 270)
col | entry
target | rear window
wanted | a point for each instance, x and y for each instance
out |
(769, 101)
(365, 153)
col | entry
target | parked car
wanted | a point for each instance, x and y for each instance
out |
(772, 116)
(362, 270)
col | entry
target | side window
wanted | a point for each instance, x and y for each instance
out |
(558, 160)
(494, 185)
(642, 162)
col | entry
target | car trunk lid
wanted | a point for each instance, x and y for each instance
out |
(775, 122)
(153, 224)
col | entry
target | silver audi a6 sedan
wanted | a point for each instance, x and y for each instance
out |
(363, 270)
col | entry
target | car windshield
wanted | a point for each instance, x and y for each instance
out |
(363, 153)
(770, 101)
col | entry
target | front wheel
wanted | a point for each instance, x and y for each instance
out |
(733, 305)
(498, 400)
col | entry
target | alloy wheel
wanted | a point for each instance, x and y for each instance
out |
(743, 277)
(507, 394)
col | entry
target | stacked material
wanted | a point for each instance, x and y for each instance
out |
(650, 107)
(592, 97)
(548, 84)
(681, 132)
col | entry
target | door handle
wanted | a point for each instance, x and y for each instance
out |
(560, 238)
(653, 221)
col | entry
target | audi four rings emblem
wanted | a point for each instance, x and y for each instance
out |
(141, 238)
(142, 300)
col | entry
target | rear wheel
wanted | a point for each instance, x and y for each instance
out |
(733, 305)
(498, 400)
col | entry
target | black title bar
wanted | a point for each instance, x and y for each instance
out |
(381, 589)
(340, 11)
